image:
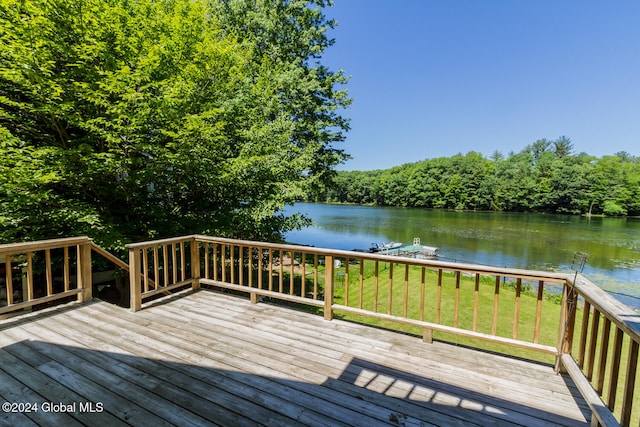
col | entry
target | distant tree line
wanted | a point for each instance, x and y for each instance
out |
(544, 177)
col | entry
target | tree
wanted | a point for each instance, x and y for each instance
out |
(562, 146)
(133, 120)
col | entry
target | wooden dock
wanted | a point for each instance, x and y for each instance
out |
(206, 358)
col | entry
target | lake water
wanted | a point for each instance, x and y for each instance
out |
(530, 241)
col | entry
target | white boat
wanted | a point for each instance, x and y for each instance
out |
(375, 247)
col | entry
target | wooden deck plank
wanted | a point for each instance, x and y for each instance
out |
(205, 358)
(444, 369)
(39, 339)
(262, 398)
(556, 384)
(144, 354)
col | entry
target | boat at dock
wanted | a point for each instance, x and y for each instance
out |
(414, 250)
(379, 247)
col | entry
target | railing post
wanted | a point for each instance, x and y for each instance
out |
(328, 287)
(84, 272)
(135, 293)
(195, 264)
(567, 323)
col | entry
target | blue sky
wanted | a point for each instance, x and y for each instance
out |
(433, 78)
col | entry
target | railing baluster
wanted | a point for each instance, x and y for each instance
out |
(629, 384)
(66, 274)
(30, 275)
(516, 313)
(280, 272)
(422, 292)
(595, 323)
(496, 304)
(174, 262)
(223, 261)
(346, 281)
(361, 284)
(48, 272)
(536, 328)
(260, 255)
(214, 255)
(250, 265)
(582, 344)
(241, 266)
(232, 263)
(205, 246)
(315, 276)
(270, 270)
(165, 264)
(476, 302)
(9, 278)
(390, 290)
(183, 264)
(375, 286)
(145, 269)
(292, 277)
(439, 297)
(303, 278)
(615, 368)
(456, 308)
(156, 267)
(406, 290)
(604, 351)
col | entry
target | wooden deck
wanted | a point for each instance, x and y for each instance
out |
(206, 358)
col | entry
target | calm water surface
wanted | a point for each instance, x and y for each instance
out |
(531, 241)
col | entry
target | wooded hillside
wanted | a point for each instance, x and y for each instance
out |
(544, 177)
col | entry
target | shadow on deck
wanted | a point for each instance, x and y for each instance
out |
(211, 359)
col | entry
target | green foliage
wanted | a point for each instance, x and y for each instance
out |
(543, 177)
(133, 120)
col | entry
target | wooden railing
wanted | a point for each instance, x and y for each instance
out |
(40, 272)
(594, 338)
(598, 347)
(160, 266)
(506, 307)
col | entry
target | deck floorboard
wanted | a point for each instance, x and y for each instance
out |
(206, 358)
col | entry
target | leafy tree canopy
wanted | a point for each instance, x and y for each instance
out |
(128, 120)
(543, 177)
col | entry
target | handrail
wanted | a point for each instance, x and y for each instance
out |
(23, 247)
(109, 256)
(35, 257)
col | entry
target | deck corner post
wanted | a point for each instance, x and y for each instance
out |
(135, 291)
(328, 287)
(84, 272)
(567, 323)
(195, 264)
